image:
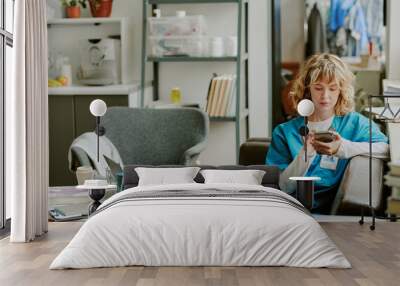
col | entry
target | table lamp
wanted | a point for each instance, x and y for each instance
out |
(98, 108)
(305, 108)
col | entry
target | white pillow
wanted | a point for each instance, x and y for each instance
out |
(248, 177)
(164, 176)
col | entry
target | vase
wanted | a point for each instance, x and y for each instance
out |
(100, 8)
(73, 12)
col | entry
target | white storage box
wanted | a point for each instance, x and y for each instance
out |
(178, 46)
(177, 26)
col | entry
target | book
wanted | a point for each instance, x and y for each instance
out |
(221, 96)
(392, 181)
(214, 96)
(227, 95)
(224, 84)
(211, 89)
(231, 107)
(390, 85)
(393, 206)
(396, 193)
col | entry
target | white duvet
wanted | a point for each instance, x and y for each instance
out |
(200, 231)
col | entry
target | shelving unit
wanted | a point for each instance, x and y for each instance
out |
(61, 31)
(241, 60)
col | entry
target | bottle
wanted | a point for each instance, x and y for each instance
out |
(66, 72)
(176, 95)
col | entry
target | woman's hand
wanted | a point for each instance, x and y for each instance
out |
(330, 148)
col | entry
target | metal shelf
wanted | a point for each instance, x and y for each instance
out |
(241, 60)
(243, 115)
(84, 21)
(195, 59)
(155, 2)
(223, 118)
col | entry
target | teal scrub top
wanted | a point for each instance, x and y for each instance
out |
(287, 143)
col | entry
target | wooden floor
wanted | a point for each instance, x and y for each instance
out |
(375, 257)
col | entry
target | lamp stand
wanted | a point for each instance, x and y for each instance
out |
(304, 132)
(306, 137)
(98, 136)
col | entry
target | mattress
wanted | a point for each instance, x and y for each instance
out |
(201, 225)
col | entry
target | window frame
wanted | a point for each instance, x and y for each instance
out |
(6, 39)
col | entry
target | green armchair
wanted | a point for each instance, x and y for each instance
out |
(147, 136)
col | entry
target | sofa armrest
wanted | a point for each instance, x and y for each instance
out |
(354, 187)
(254, 151)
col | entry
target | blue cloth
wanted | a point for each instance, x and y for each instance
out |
(355, 24)
(358, 26)
(287, 143)
(338, 13)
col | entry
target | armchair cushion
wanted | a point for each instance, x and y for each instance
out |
(156, 136)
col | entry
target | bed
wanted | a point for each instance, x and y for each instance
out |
(201, 224)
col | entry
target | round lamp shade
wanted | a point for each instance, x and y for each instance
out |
(305, 107)
(98, 107)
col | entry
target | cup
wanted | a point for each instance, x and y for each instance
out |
(180, 13)
(231, 46)
(217, 47)
(84, 173)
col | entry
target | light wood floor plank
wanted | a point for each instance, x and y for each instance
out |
(375, 257)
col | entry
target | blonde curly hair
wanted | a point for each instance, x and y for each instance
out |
(329, 67)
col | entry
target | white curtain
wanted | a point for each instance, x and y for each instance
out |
(27, 123)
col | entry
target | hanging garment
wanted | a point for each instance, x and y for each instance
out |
(323, 7)
(316, 39)
(373, 12)
(358, 40)
(339, 11)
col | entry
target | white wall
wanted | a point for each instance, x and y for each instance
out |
(292, 27)
(260, 60)
(393, 40)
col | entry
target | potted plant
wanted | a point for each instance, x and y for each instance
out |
(100, 8)
(72, 7)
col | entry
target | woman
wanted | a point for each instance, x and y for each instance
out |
(327, 81)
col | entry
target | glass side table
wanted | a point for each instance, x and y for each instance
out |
(305, 190)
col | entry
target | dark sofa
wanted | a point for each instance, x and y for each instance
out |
(270, 179)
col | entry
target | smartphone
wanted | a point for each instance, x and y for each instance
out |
(326, 136)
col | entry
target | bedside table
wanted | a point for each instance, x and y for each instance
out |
(96, 194)
(305, 190)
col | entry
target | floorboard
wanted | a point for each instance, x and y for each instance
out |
(374, 255)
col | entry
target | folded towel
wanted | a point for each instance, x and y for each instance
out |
(87, 142)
